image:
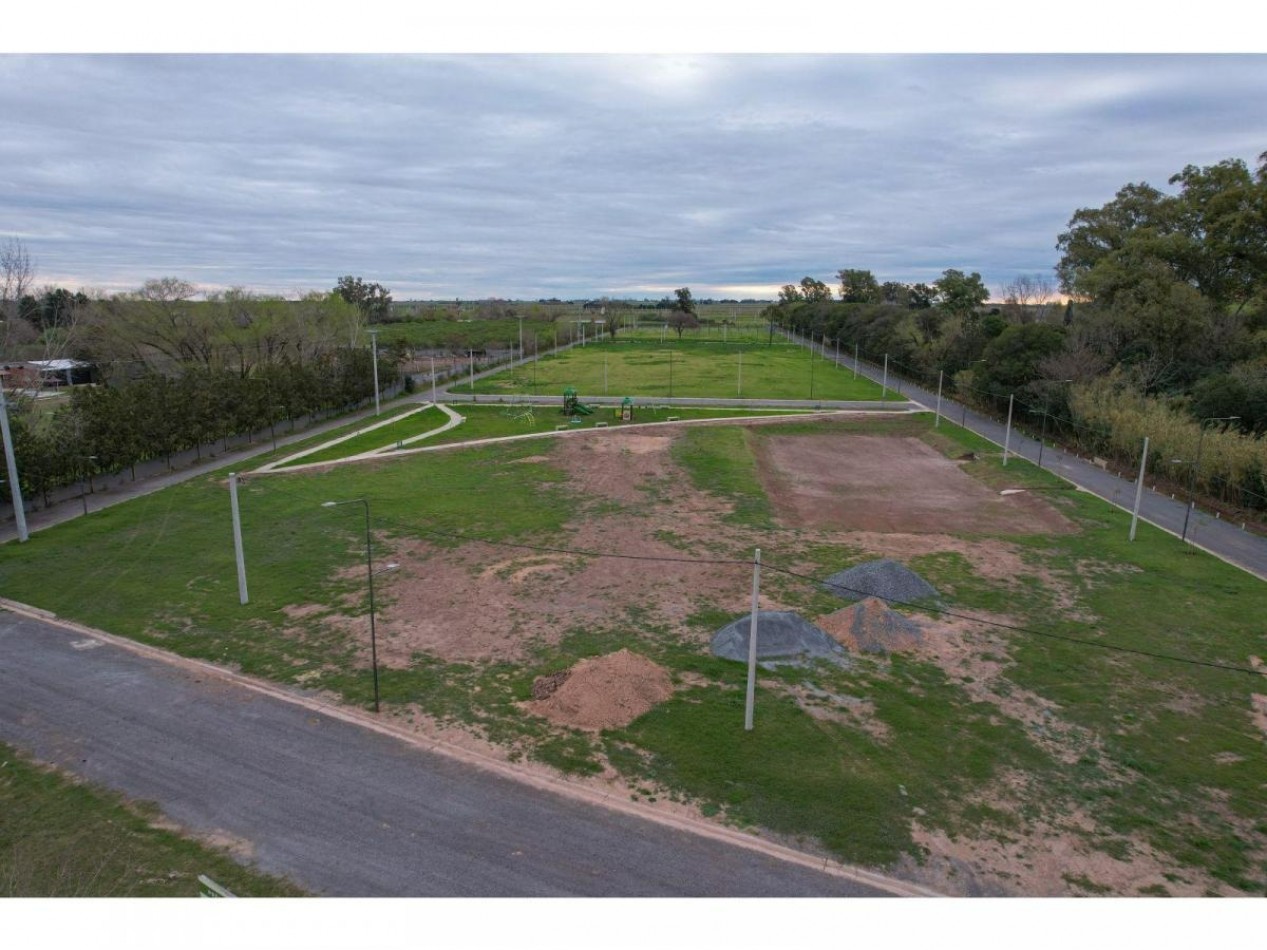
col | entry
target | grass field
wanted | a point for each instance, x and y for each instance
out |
(686, 370)
(60, 838)
(1066, 752)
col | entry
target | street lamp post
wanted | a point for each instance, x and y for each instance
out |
(369, 575)
(1192, 472)
(15, 487)
(373, 332)
(83, 498)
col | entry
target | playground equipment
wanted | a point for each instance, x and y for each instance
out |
(521, 412)
(572, 406)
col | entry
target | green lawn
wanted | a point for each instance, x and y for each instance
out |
(1157, 753)
(406, 427)
(649, 370)
(60, 838)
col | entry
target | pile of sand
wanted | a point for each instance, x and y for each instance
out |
(871, 626)
(604, 692)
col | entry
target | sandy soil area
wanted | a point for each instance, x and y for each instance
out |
(878, 483)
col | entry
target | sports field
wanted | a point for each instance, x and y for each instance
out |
(651, 370)
(1082, 716)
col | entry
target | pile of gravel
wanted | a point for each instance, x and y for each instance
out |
(886, 579)
(783, 638)
(873, 627)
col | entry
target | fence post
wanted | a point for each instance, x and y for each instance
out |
(752, 641)
(937, 420)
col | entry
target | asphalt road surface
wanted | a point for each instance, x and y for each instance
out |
(341, 808)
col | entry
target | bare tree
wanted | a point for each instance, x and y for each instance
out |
(1028, 298)
(15, 280)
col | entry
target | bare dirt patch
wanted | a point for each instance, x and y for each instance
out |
(605, 692)
(472, 603)
(890, 484)
(977, 660)
(615, 465)
(1053, 859)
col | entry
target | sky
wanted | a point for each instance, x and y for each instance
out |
(577, 175)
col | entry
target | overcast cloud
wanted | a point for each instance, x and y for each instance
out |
(538, 176)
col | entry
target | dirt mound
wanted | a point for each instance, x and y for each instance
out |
(604, 692)
(872, 627)
(885, 578)
(543, 687)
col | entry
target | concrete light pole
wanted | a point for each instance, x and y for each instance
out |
(373, 332)
(15, 487)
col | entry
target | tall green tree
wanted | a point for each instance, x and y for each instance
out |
(959, 293)
(374, 300)
(858, 286)
(685, 302)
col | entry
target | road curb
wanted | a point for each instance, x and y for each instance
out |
(506, 770)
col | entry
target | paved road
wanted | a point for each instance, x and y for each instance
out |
(1246, 550)
(340, 808)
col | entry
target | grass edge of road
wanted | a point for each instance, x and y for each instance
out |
(64, 837)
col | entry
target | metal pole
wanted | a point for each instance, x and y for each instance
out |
(937, 420)
(471, 353)
(752, 641)
(1192, 484)
(15, 488)
(433, 380)
(521, 336)
(884, 385)
(1042, 438)
(369, 567)
(837, 359)
(237, 537)
(1007, 437)
(739, 391)
(85, 480)
(811, 368)
(1139, 487)
(604, 374)
(855, 361)
(374, 346)
(670, 374)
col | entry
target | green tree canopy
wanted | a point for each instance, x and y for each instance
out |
(373, 300)
(858, 286)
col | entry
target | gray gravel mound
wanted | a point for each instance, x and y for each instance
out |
(783, 638)
(886, 579)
